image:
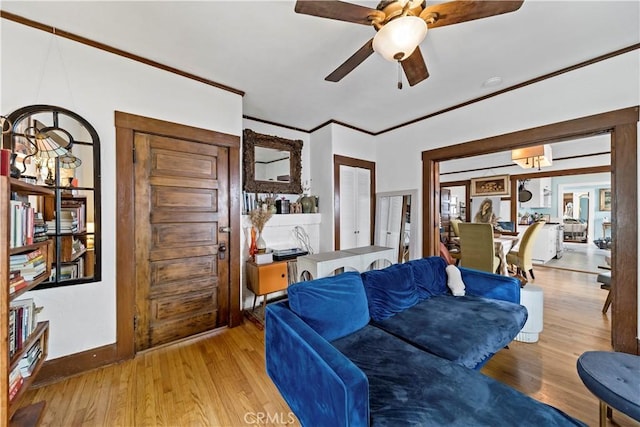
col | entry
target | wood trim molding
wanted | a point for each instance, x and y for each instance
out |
(518, 86)
(622, 125)
(356, 163)
(77, 38)
(104, 47)
(55, 370)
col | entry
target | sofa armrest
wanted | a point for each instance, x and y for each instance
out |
(489, 285)
(321, 385)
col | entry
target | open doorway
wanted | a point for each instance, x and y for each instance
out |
(622, 127)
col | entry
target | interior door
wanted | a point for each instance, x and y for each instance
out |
(181, 211)
(355, 207)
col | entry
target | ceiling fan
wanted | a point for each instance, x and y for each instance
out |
(401, 26)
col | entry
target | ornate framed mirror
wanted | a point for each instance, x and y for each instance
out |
(271, 164)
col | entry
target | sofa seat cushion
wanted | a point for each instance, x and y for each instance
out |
(410, 387)
(333, 306)
(466, 329)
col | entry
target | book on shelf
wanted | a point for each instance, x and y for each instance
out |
(15, 382)
(24, 322)
(29, 360)
(29, 265)
(17, 284)
(25, 257)
(5, 162)
(12, 333)
(21, 220)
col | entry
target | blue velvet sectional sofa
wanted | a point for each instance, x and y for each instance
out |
(394, 347)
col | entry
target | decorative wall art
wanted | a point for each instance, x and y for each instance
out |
(490, 186)
(605, 199)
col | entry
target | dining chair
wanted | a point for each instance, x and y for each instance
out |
(520, 257)
(454, 245)
(477, 247)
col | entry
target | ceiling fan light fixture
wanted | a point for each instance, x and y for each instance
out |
(398, 39)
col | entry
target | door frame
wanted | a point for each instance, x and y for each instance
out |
(622, 125)
(126, 126)
(356, 163)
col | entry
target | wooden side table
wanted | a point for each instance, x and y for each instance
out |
(264, 279)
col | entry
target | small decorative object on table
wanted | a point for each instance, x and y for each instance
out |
(259, 218)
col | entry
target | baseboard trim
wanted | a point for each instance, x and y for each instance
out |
(74, 364)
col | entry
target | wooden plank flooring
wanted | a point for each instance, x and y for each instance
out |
(220, 380)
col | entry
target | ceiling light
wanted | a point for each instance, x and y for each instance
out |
(532, 157)
(398, 39)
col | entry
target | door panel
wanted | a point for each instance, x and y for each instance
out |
(355, 207)
(182, 286)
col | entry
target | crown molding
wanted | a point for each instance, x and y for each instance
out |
(104, 47)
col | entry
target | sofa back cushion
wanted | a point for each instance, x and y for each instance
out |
(390, 290)
(333, 306)
(430, 276)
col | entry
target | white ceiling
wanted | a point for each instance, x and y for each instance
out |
(280, 58)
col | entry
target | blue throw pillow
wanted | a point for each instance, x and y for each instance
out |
(390, 290)
(430, 276)
(333, 306)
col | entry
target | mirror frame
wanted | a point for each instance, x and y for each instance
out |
(253, 139)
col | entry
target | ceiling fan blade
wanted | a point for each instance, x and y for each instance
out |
(354, 60)
(455, 12)
(339, 10)
(415, 68)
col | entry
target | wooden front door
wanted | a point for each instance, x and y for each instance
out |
(181, 209)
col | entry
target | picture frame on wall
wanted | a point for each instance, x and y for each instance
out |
(490, 186)
(605, 199)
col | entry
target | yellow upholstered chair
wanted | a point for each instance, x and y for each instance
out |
(454, 246)
(521, 257)
(455, 226)
(477, 247)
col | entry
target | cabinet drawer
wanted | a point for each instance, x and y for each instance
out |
(266, 278)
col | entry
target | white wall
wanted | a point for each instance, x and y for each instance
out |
(94, 84)
(325, 143)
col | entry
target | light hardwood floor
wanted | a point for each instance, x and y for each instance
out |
(220, 380)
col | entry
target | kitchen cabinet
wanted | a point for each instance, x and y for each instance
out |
(545, 245)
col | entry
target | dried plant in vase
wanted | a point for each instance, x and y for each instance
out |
(259, 218)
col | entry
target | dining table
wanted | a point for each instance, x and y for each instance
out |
(503, 244)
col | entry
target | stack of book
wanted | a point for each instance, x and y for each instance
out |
(39, 228)
(29, 360)
(30, 264)
(77, 210)
(68, 223)
(16, 282)
(22, 322)
(15, 382)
